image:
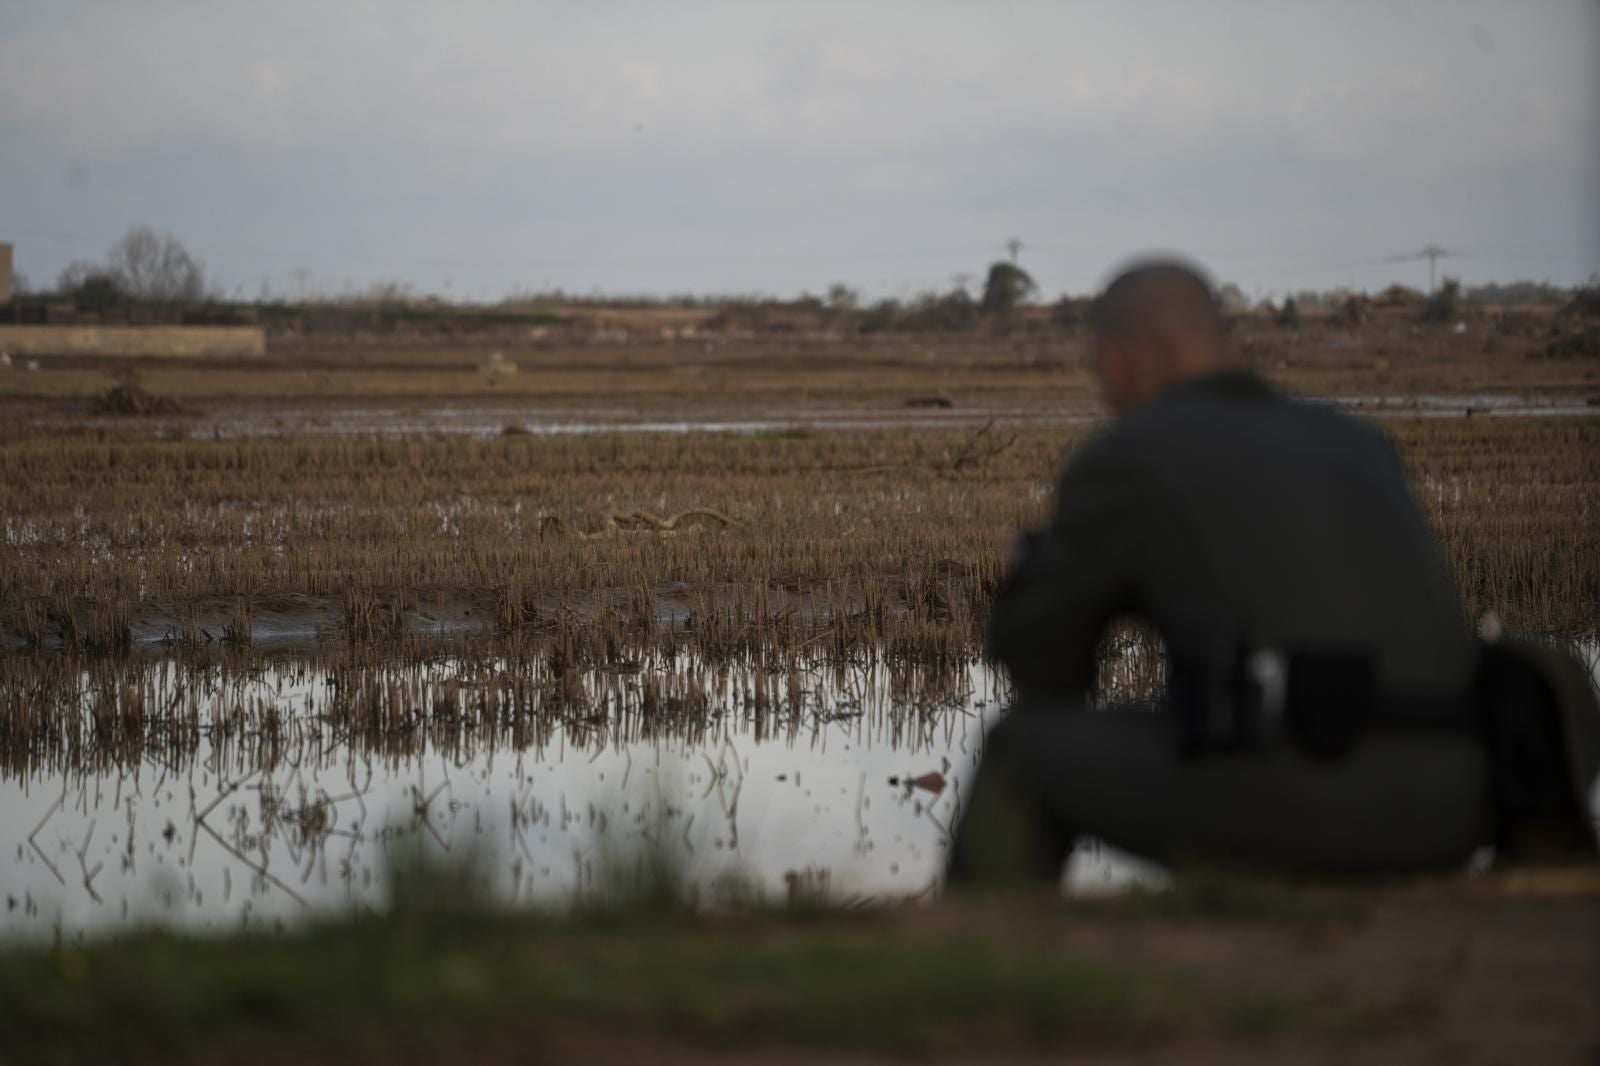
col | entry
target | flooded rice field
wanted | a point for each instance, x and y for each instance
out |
(932, 412)
(217, 795)
(244, 680)
(1454, 405)
(557, 422)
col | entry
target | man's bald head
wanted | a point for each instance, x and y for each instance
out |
(1156, 324)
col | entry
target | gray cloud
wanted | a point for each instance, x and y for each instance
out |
(778, 147)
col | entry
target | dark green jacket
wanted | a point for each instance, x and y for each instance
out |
(1224, 511)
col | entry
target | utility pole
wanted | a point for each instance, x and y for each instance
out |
(1014, 246)
(1432, 253)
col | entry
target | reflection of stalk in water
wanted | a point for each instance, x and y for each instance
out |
(83, 864)
(422, 805)
(861, 824)
(718, 782)
(688, 845)
(260, 870)
(33, 841)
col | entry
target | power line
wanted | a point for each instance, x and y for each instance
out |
(1432, 253)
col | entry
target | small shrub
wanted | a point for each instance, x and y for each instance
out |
(1288, 316)
(1008, 285)
(1443, 304)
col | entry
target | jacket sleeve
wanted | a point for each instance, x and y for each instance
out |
(1070, 579)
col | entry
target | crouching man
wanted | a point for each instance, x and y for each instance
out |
(1325, 712)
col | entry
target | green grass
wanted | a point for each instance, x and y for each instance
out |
(440, 981)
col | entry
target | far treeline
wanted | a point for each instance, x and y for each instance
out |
(149, 276)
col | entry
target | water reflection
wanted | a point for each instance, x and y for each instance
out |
(215, 796)
(484, 422)
(226, 794)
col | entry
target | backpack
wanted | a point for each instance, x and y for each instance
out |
(1540, 720)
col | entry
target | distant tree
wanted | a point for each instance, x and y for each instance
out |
(880, 316)
(1289, 314)
(1352, 312)
(843, 298)
(1398, 296)
(1442, 305)
(382, 294)
(156, 268)
(1232, 298)
(1516, 292)
(1070, 313)
(954, 310)
(91, 287)
(1586, 299)
(1008, 285)
(74, 274)
(100, 292)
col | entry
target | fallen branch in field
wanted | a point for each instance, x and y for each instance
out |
(972, 453)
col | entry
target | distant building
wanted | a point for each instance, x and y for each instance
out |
(5, 273)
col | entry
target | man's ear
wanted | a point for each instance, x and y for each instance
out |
(1115, 371)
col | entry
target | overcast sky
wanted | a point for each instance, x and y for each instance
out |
(475, 148)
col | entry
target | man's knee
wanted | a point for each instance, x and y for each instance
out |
(1025, 725)
(1044, 740)
(1008, 832)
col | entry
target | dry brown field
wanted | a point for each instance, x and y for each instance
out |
(846, 493)
(812, 371)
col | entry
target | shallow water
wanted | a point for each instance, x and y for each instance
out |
(258, 792)
(295, 809)
(1466, 405)
(543, 422)
(555, 421)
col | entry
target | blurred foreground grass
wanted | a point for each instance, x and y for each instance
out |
(1237, 969)
(437, 981)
